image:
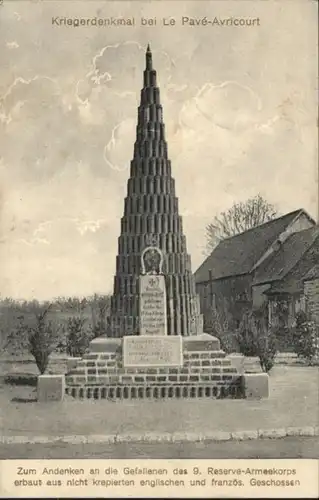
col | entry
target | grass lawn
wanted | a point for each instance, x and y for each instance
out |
(293, 402)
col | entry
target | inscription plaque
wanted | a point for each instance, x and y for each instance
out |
(153, 319)
(152, 351)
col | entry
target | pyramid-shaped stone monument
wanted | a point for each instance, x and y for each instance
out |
(151, 219)
(155, 346)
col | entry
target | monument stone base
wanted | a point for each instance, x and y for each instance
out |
(106, 344)
(50, 388)
(255, 385)
(202, 371)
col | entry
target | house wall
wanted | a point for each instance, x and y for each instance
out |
(258, 297)
(311, 291)
(228, 294)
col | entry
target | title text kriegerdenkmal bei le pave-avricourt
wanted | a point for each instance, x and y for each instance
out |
(169, 22)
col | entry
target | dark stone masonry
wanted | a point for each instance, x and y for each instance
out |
(155, 346)
(151, 218)
(205, 373)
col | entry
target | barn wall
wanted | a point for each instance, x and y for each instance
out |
(311, 290)
(228, 294)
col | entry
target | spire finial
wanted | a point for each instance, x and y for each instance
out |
(149, 64)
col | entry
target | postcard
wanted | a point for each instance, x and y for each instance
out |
(159, 249)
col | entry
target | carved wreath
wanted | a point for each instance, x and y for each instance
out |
(152, 260)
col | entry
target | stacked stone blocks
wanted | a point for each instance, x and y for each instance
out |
(151, 218)
(205, 373)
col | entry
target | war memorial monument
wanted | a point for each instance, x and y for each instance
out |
(155, 346)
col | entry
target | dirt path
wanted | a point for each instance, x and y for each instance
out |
(290, 447)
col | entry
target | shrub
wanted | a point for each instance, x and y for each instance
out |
(17, 339)
(21, 379)
(100, 308)
(279, 322)
(34, 334)
(220, 328)
(75, 338)
(78, 337)
(267, 350)
(285, 339)
(256, 339)
(42, 342)
(305, 337)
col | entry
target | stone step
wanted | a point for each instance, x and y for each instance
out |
(101, 356)
(202, 342)
(202, 354)
(187, 353)
(150, 379)
(157, 392)
(82, 371)
(112, 366)
(207, 361)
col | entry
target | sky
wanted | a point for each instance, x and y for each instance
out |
(240, 109)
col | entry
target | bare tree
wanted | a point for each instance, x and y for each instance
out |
(237, 219)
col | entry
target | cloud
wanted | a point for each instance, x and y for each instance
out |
(18, 85)
(16, 95)
(114, 64)
(33, 241)
(229, 105)
(218, 126)
(12, 45)
(118, 152)
(109, 93)
(239, 110)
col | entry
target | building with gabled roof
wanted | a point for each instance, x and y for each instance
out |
(286, 270)
(243, 271)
